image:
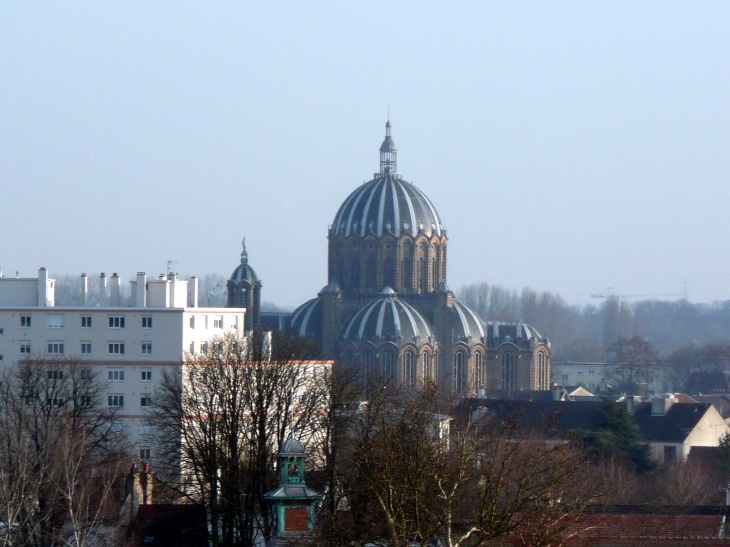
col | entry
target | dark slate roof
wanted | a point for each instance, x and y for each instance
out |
(387, 318)
(674, 426)
(169, 525)
(516, 332)
(514, 395)
(556, 417)
(720, 402)
(387, 204)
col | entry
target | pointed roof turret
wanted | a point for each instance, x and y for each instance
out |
(388, 153)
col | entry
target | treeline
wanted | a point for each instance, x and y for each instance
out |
(585, 333)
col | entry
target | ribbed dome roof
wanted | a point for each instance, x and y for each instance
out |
(307, 319)
(244, 272)
(387, 204)
(387, 319)
(468, 323)
(514, 330)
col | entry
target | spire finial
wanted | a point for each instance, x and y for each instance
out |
(388, 150)
(244, 253)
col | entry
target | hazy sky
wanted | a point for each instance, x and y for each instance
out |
(567, 147)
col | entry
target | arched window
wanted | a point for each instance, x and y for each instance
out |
(388, 365)
(460, 378)
(426, 366)
(388, 273)
(349, 360)
(341, 271)
(508, 371)
(422, 275)
(480, 373)
(541, 372)
(435, 268)
(371, 273)
(355, 273)
(407, 273)
(409, 368)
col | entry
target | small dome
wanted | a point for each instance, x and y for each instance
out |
(386, 319)
(468, 323)
(244, 272)
(388, 291)
(307, 319)
(291, 447)
(331, 287)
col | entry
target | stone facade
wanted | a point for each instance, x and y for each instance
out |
(387, 307)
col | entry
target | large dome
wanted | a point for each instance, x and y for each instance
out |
(387, 318)
(387, 204)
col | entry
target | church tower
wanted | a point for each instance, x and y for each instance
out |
(244, 291)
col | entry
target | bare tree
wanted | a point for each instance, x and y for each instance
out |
(412, 473)
(219, 420)
(59, 454)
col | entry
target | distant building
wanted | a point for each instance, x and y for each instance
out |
(129, 343)
(387, 310)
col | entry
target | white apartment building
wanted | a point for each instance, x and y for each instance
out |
(129, 343)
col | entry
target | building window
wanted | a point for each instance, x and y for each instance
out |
(55, 401)
(480, 371)
(86, 374)
(591, 385)
(192, 348)
(144, 453)
(1, 356)
(146, 348)
(407, 273)
(204, 347)
(192, 321)
(85, 348)
(85, 321)
(426, 365)
(218, 322)
(55, 374)
(25, 320)
(116, 375)
(580, 372)
(541, 380)
(409, 368)
(115, 400)
(116, 348)
(388, 366)
(55, 321)
(371, 271)
(1, 331)
(146, 375)
(55, 348)
(25, 347)
(508, 372)
(145, 400)
(670, 454)
(565, 377)
(388, 273)
(116, 321)
(460, 373)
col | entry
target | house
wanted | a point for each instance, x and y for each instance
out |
(672, 428)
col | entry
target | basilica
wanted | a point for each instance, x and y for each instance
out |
(387, 309)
